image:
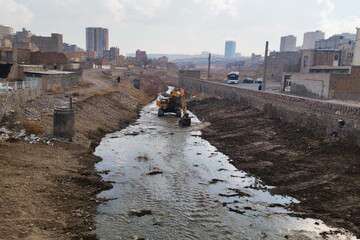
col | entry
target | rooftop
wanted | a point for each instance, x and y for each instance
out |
(50, 72)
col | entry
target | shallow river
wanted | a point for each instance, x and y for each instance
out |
(199, 194)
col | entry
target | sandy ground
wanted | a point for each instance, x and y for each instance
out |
(322, 173)
(49, 192)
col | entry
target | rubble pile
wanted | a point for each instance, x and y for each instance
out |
(7, 135)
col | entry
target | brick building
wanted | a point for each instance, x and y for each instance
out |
(51, 60)
(141, 56)
(22, 39)
(11, 55)
(112, 54)
(5, 31)
(280, 62)
(330, 85)
(318, 57)
(54, 43)
(76, 56)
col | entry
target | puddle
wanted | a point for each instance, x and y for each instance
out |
(195, 194)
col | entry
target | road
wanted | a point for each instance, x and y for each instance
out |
(274, 88)
(184, 188)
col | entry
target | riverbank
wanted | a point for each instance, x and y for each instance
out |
(322, 174)
(48, 190)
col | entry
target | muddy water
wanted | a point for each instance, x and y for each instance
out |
(195, 196)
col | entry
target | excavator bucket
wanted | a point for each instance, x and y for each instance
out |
(185, 121)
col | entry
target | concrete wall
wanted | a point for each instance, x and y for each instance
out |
(61, 82)
(22, 92)
(33, 88)
(314, 85)
(320, 116)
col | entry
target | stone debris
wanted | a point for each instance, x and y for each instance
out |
(236, 211)
(239, 192)
(143, 158)
(223, 170)
(131, 134)
(155, 171)
(215, 181)
(140, 213)
(7, 135)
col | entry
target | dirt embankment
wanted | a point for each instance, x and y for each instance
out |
(49, 191)
(324, 175)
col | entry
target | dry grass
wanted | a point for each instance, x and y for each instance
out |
(33, 127)
(56, 89)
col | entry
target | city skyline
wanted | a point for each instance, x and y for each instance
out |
(154, 26)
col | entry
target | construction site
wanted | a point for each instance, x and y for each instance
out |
(98, 145)
(203, 161)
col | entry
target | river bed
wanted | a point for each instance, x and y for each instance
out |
(188, 190)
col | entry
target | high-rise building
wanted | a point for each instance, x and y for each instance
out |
(22, 39)
(5, 31)
(335, 41)
(356, 59)
(310, 38)
(112, 54)
(97, 40)
(230, 49)
(288, 44)
(141, 56)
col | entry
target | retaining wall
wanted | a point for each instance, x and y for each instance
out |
(320, 116)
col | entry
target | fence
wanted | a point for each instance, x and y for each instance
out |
(13, 95)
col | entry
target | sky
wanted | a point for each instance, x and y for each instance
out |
(183, 26)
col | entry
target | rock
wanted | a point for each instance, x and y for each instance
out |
(236, 211)
(89, 235)
(143, 158)
(237, 193)
(275, 205)
(138, 238)
(140, 213)
(155, 171)
(132, 134)
(215, 181)
(223, 170)
(228, 195)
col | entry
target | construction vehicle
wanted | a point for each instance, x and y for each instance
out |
(175, 103)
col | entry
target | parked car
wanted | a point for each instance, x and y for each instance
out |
(233, 78)
(5, 88)
(249, 81)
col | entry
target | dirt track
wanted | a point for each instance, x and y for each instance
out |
(49, 192)
(322, 174)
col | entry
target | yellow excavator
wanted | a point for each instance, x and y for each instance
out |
(175, 103)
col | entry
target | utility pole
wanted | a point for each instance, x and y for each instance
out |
(265, 65)
(209, 66)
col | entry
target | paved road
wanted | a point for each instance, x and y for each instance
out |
(275, 88)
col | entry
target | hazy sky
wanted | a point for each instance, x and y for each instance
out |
(183, 26)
